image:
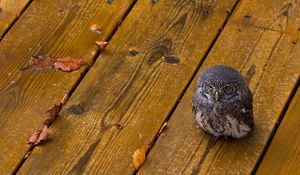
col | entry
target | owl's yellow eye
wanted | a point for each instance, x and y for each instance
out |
(210, 88)
(227, 88)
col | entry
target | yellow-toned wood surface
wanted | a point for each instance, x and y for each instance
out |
(9, 11)
(131, 89)
(56, 28)
(283, 154)
(186, 149)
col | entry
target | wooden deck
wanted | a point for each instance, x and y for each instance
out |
(122, 98)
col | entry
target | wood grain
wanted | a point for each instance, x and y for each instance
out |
(277, 15)
(282, 156)
(9, 11)
(62, 29)
(129, 92)
(185, 149)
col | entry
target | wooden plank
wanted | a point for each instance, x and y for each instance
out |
(125, 97)
(185, 149)
(9, 11)
(61, 29)
(276, 15)
(282, 156)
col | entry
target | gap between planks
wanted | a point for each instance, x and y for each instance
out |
(277, 125)
(97, 54)
(18, 16)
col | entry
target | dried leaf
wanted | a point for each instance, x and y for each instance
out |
(48, 121)
(101, 44)
(42, 62)
(96, 28)
(27, 154)
(53, 112)
(44, 135)
(69, 64)
(139, 157)
(34, 137)
(66, 64)
(39, 136)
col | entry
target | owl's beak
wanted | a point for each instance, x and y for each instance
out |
(217, 96)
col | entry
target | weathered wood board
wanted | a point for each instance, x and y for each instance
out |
(282, 156)
(9, 11)
(276, 15)
(56, 28)
(184, 148)
(131, 89)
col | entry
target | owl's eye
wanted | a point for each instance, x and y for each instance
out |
(209, 87)
(227, 89)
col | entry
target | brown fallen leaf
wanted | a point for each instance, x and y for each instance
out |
(66, 64)
(54, 110)
(44, 134)
(34, 137)
(139, 155)
(52, 113)
(27, 154)
(42, 62)
(96, 28)
(39, 136)
(101, 44)
(69, 64)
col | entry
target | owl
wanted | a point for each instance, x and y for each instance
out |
(222, 102)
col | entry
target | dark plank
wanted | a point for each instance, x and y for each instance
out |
(125, 97)
(49, 27)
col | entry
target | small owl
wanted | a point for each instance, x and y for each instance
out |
(222, 102)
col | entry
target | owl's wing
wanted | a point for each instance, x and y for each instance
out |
(247, 109)
(195, 103)
(194, 109)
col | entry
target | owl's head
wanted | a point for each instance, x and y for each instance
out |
(221, 83)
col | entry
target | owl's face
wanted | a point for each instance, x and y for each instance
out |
(221, 84)
(220, 92)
